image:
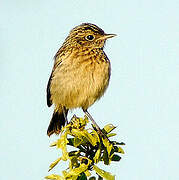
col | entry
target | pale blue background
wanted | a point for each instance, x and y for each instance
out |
(142, 99)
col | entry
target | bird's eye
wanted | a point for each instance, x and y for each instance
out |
(90, 37)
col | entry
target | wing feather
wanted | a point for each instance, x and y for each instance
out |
(49, 102)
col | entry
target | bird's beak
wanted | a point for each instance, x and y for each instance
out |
(107, 36)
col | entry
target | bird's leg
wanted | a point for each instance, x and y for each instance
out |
(93, 121)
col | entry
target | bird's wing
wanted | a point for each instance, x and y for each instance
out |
(57, 62)
(49, 102)
(58, 59)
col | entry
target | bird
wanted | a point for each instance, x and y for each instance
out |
(80, 74)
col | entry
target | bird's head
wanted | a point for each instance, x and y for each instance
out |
(87, 35)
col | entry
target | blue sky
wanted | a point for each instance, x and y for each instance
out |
(142, 98)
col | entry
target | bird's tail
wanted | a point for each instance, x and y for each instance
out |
(57, 122)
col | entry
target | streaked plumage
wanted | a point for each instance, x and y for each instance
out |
(80, 74)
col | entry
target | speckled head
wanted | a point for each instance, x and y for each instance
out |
(88, 35)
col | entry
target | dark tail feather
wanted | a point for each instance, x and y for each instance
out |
(57, 122)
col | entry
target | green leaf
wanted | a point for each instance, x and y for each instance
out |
(54, 177)
(97, 156)
(71, 141)
(108, 145)
(73, 162)
(117, 143)
(87, 148)
(62, 144)
(111, 134)
(73, 153)
(108, 128)
(75, 172)
(95, 135)
(89, 137)
(115, 157)
(105, 157)
(82, 177)
(52, 165)
(104, 174)
(87, 173)
(118, 149)
(77, 133)
(77, 141)
(78, 123)
(84, 121)
(53, 144)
